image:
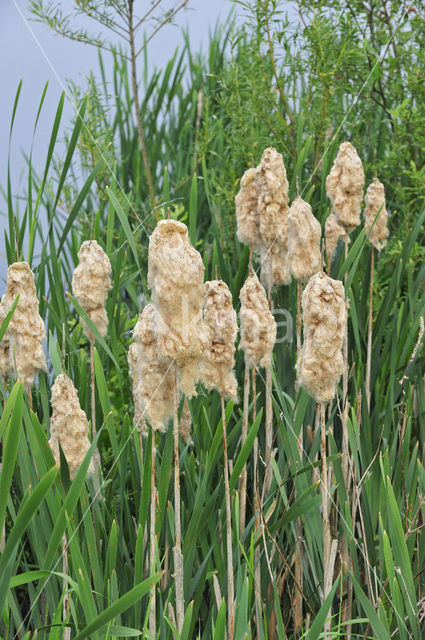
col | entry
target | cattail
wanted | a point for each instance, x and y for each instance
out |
(320, 362)
(68, 425)
(333, 232)
(185, 423)
(220, 319)
(153, 381)
(272, 186)
(304, 234)
(274, 264)
(344, 186)
(90, 284)
(176, 274)
(258, 326)
(21, 349)
(247, 216)
(375, 201)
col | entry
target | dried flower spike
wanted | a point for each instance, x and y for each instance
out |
(220, 320)
(304, 234)
(333, 232)
(274, 264)
(90, 284)
(272, 186)
(375, 201)
(176, 276)
(258, 326)
(68, 425)
(247, 216)
(21, 349)
(153, 381)
(320, 362)
(344, 186)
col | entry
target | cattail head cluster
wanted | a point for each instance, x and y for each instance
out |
(153, 380)
(21, 350)
(176, 276)
(220, 320)
(333, 232)
(344, 186)
(68, 425)
(375, 202)
(320, 362)
(258, 326)
(304, 234)
(90, 284)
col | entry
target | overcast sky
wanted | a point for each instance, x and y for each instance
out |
(31, 52)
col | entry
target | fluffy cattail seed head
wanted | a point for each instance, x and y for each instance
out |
(320, 362)
(220, 320)
(344, 186)
(90, 284)
(304, 234)
(176, 275)
(258, 326)
(21, 349)
(153, 380)
(68, 425)
(375, 201)
(247, 217)
(272, 186)
(274, 263)
(333, 232)
(185, 423)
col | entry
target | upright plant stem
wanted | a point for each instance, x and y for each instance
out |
(369, 330)
(269, 407)
(152, 610)
(257, 527)
(298, 603)
(177, 551)
(230, 584)
(243, 439)
(142, 142)
(299, 290)
(93, 396)
(325, 508)
(65, 601)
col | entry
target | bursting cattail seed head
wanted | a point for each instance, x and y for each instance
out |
(375, 201)
(185, 423)
(247, 217)
(68, 425)
(304, 234)
(220, 320)
(153, 381)
(258, 326)
(344, 186)
(275, 259)
(176, 276)
(272, 186)
(21, 349)
(333, 232)
(90, 284)
(320, 362)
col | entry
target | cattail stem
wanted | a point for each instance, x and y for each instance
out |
(299, 290)
(298, 603)
(325, 507)
(65, 601)
(257, 566)
(269, 405)
(93, 396)
(243, 479)
(152, 610)
(369, 331)
(177, 551)
(30, 399)
(230, 584)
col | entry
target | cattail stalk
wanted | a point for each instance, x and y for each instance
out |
(325, 508)
(369, 330)
(93, 392)
(177, 551)
(269, 407)
(257, 526)
(298, 603)
(152, 609)
(230, 581)
(299, 294)
(242, 484)
(65, 601)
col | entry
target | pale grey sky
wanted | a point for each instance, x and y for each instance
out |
(30, 51)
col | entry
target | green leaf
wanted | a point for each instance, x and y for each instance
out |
(245, 451)
(10, 451)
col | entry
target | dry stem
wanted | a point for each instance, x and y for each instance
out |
(177, 551)
(152, 610)
(65, 601)
(298, 604)
(269, 408)
(230, 586)
(369, 331)
(325, 509)
(299, 292)
(257, 566)
(242, 484)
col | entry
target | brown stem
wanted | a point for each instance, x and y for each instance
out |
(93, 396)
(152, 610)
(269, 405)
(65, 601)
(242, 484)
(257, 569)
(299, 290)
(369, 331)
(230, 585)
(177, 551)
(298, 604)
(142, 142)
(325, 508)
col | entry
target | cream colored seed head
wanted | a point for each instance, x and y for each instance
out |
(344, 186)
(176, 276)
(68, 425)
(272, 186)
(375, 201)
(274, 263)
(304, 234)
(185, 423)
(320, 362)
(90, 284)
(22, 345)
(153, 381)
(258, 326)
(221, 322)
(333, 232)
(247, 217)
